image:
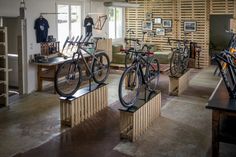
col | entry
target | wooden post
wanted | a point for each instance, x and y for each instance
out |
(215, 133)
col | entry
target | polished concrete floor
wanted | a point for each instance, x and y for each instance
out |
(31, 126)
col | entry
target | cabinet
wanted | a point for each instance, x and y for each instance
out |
(106, 45)
(3, 67)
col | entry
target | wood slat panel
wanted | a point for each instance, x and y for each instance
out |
(179, 11)
(134, 124)
(75, 111)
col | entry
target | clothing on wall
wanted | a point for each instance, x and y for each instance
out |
(41, 26)
(88, 23)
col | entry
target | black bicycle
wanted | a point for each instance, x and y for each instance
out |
(227, 71)
(180, 57)
(83, 66)
(143, 72)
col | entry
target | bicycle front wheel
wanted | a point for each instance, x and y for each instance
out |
(67, 78)
(100, 68)
(129, 86)
(153, 74)
(175, 63)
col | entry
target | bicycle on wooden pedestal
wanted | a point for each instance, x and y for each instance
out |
(180, 57)
(84, 65)
(143, 72)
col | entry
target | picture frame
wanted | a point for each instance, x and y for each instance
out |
(167, 23)
(190, 26)
(151, 34)
(148, 15)
(158, 20)
(160, 31)
(147, 25)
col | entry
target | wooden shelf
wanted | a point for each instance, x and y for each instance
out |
(2, 82)
(4, 66)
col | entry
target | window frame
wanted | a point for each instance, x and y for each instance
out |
(123, 24)
(69, 16)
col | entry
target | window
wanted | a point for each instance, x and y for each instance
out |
(115, 23)
(68, 21)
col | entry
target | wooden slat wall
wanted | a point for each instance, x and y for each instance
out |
(222, 7)
(195, 10)
(179, 11)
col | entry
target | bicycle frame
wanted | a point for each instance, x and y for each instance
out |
(138, 66)
(227, 57)
(80, 55)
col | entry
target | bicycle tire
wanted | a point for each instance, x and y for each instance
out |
(153, 74)
(100, 67)
(128, 59)
(67, 78)
(129, 86)
(174, 63)
(185, 61)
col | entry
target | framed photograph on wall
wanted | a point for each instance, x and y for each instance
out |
(148, 15)
(160, 31)
(190, 26)
(157, 20)
(167, 23)
(147, 25)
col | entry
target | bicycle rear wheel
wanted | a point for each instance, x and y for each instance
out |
(185, 60)
(129, 86)
(67, 78)
(175, 63)
(153, 74)
(101, 67)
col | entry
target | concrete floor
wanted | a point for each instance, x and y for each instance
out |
(183, 130)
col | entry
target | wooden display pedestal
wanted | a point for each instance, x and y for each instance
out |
(178, 84)
(84, 104)
(135, 121)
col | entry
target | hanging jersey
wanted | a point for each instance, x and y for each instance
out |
(88, 23)
(41, 26)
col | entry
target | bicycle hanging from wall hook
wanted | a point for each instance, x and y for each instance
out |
(101, 20)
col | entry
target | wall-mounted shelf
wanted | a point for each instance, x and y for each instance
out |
(3, 67)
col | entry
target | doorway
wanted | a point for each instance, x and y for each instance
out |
(14, 39)
(219, 38)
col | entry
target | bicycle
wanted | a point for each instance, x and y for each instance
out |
(137, 46)
(69, 75)
(180, 57)
(231, 48)
(227, 71)
(144, 71)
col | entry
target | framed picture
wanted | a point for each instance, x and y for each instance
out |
(160, 31)
(147, 25)
(151, 34)
(190, 26)
(148, 15)
(157, 20)
(167, 23)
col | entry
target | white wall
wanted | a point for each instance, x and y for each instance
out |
(9, 8)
